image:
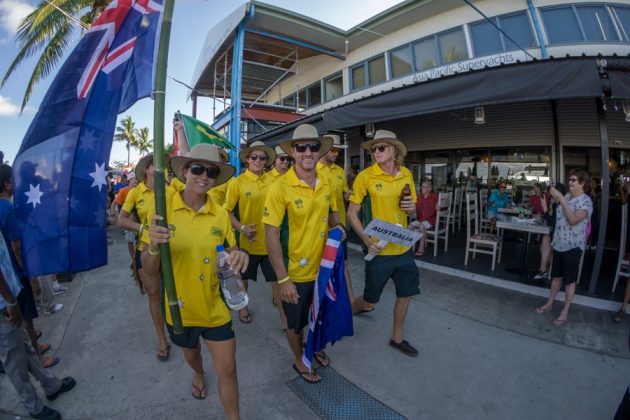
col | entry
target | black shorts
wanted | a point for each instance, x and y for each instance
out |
(139, 259)
(566, 265)
(401, 268)
(190, 337)
(345, 249)
(252, 268)
(26, 300)
(297, 314)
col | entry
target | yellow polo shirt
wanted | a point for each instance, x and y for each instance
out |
(384, 191)
(246, 198)
(216, 193)
(193, 255)
(141, 199)
(302, 215)
(274, 173)
(339, 185)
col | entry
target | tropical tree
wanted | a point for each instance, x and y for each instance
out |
(127, 132)
(143, 143)
(50, 29)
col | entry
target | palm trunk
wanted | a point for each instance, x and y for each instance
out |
(158, 162)
(128, 154)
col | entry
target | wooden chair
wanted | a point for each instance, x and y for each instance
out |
(622, 264)
(484, 223)
(456, 209)
(489, 244)
(440, 230)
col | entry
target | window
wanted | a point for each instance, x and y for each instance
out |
(487, 39)
(453, 46)
(314, 94)
(622, 17)
(333, 87)
(401, 61)
(376, 70)
(519, 29)
(579, 24)
(596, 23)
(358, 77)
(289, 101)
(302, 99)
(562, 25)
(425, 54)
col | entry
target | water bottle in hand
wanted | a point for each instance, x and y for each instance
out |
(231, 282)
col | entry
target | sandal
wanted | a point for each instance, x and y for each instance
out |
(50, 361)
(365, 311)
(420, 254)
(322, 358)
(559, 322)
(200, 392)
(43, 348)
(618, 317)
(305, 375)
(247, 319)
(164, 354)
(541, 310)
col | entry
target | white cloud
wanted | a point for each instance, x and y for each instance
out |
(11, 13)
(9, 109)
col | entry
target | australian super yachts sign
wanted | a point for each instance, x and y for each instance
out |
(468, 65)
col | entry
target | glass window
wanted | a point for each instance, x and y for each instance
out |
(562, 25)
(376, 70)
(519, 29)
(401, 61)
(289, 101)
(453, 46)
(358, 77)
(302, 99)
(333, 87)
(314, 94)
(596, 23)
(486, 39)
(425, 54)
(622, 16)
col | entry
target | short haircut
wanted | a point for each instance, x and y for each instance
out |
(5, 176)
(581, 175)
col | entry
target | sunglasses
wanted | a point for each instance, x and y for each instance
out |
(381, 148)
(573, 180)
(313, 147)
(284, 158)
(198, 169)
(256, 157)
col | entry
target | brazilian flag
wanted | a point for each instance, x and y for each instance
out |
(199, 132)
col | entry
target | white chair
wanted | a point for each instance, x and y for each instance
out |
(489, 244)
(485, 224)
(440, 230)
(527, 197)
(456, 209)
(622, 264)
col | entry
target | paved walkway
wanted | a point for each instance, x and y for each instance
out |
(484, 354)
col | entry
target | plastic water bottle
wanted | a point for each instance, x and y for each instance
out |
(231, 282)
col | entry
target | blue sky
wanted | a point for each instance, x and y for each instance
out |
(191, 21)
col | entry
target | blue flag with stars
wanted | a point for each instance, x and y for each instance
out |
(60, 172)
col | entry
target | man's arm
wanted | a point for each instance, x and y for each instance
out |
(288, 290)
(357, 226)
(13, 310)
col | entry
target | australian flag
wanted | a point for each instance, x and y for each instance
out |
(330, 314)
(60, 172)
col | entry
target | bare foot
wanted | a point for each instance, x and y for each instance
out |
(542, 309)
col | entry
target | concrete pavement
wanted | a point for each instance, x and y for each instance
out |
(484, 354)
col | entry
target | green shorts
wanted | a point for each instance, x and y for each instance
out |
(190, 337)
(401, 268)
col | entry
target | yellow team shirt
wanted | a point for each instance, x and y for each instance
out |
(141, 199)
(384, 191)
(246, 198)
(302, 215)
(193, 255)
(274, 173)
(216, 193)
(339, 185)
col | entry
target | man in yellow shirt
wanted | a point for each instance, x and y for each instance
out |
(245, 200)
(281, 164)
(337, 178)
(383, 182)
(299, 210)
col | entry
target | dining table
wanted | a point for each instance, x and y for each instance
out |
(526, 226)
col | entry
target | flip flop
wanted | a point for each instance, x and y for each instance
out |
(540, 310)
(164, 354)
(38, 334)
(50, 361)
(304, 376)
(420, 254)
(559, 322)
(365, 311)
(322, 358)
(43, 348)
(618, 317)
(200, 392)
(247, 319)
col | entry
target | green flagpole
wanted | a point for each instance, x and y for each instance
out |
(158, 161)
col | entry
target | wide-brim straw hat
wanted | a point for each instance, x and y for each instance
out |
(141, 167)
(279, 151)
(306, 132)
(384, 136)
(258, 145)
(203, 152)
(336, 141)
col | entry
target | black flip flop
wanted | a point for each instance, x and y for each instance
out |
(200, 390)
(303, 375)
(167, 353)
(321, 358)
(246, 319)
(365, 311)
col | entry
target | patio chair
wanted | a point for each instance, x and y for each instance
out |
(485, 223)
(489, 244)
(527, 198)
(456, 209)
(440, 230)
(622, 263)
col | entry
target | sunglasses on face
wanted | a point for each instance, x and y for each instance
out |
(381, 148)
(198, 169)
(313, 147)
(284, 158)
(256, 157)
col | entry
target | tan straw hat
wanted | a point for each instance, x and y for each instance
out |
(258, 145)
(203, 152)
(279, 151)
(306, 132)
(384, 136)
(336, 141)
(143, 163)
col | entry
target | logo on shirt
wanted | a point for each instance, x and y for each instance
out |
(206, 260)
(299, 203)
(248, 195)
(265, 212)
(215, 231)
(303, 262)
(379, 187)
(140, 202)
(327, 198)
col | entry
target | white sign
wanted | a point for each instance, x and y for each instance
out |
(392, 233)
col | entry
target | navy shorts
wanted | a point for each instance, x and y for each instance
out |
(566, 265)
(401, 268)
(297, 314)
(26, 300)
(138, 259)
(265, 264)
(190, 337)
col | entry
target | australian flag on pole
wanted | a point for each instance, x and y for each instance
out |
(60, 172)
(330, 314)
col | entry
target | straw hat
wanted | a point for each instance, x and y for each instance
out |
(306, 132)
(336, 141)
(203, 152)
(384, 136)
(141, 167)
(258, 145)
(279, 151)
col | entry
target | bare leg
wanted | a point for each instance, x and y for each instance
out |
(569, 292)
(278, 299)
(400, 314)
(295, 342)
(626, 296)
(359, 304)
(194, 360)
(556, 284)
(224, 358)
(545, 253)
(153, 286)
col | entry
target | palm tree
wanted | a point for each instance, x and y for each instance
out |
(49, 29)
(126, 131)
(143, 143)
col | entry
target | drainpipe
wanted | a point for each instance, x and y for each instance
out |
(539, 34)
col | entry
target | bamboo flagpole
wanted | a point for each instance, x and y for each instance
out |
(158, 161)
